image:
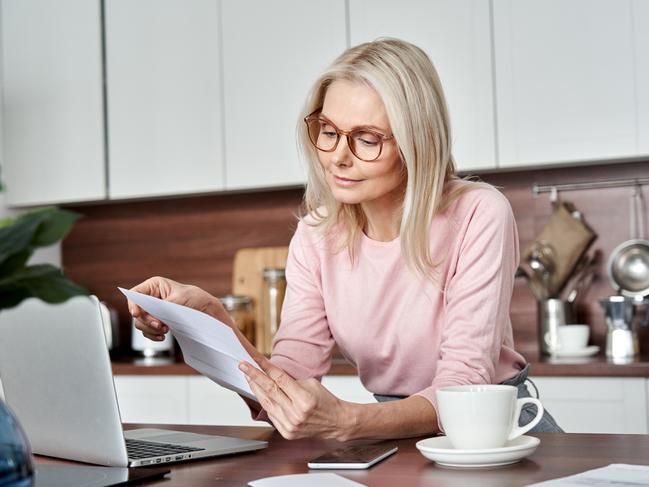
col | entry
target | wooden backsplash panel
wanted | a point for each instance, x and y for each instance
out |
(191, 240)
(605, 210)
(194, 239)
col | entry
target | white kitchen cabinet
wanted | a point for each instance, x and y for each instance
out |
(272, 54)
(52, 101)
(348, 388)
(165, 131)
(195, 399)
(209, 403)
(153, 399)
(457, 37)
(565, 80)
(596, 404)
(641, 44)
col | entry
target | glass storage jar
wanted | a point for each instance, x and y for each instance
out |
(240, 308)
(272, 301)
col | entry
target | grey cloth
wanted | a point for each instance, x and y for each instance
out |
(547, 423)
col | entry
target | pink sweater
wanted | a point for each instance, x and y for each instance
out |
(406, 335)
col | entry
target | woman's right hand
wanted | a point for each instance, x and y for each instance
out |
(175, 292)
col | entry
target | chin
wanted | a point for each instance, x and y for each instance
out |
(346, 197)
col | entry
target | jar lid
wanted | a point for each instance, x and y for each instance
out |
(234, 301)
(274, 273)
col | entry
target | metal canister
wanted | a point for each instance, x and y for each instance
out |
(272, 301)
(552, 313)
(240, 308)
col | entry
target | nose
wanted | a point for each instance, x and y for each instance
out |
(342, 156)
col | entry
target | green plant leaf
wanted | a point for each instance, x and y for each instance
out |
(6, 221)
(55, 225)
(43, 281)
(17, 237)
(12, 297)
(15, 262)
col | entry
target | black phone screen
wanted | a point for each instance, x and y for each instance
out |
(354, 454)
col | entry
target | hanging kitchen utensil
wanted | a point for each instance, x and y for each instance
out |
(541, 261)
(628, 264)
(582, 276)
(570, 238)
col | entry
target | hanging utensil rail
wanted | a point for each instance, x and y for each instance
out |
(611, 183)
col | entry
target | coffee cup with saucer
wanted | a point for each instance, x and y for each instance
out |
(482, 429)
(573, 342)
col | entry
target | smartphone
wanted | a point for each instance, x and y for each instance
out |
(353, 457)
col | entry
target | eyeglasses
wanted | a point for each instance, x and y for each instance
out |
(365, 143)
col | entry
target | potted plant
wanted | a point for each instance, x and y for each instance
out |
(19, 237)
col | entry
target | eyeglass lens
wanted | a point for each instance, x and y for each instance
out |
(325, 136)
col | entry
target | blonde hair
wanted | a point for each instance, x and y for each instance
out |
(406, 81)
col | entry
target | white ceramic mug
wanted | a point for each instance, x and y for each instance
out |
(572, 337)
(483, 416)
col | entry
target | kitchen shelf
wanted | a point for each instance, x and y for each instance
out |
(596, 366)
(132, 366)
(554, 189)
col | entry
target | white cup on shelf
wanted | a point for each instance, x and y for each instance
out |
(483, 416)
(572, 337)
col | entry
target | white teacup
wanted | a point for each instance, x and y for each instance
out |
(572, 337)
(483, 416)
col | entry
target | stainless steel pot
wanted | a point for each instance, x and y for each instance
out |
(628, 265)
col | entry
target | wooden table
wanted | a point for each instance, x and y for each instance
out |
(558, 455)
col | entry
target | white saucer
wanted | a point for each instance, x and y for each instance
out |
(440, 450)
(581, 352)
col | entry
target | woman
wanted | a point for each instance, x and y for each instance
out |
(404, 266)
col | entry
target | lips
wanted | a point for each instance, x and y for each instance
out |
(341, 181)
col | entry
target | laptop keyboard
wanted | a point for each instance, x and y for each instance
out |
(138, 449)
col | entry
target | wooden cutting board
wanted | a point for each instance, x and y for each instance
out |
(247, 279)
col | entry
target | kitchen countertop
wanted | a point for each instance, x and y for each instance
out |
(596, 366)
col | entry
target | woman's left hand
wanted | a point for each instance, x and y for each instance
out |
(298, 408)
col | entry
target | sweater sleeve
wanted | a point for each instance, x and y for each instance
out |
(477, 297)
(303, 343)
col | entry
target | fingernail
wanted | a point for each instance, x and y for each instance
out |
(243, 367)
(164, 328)
(155, 324)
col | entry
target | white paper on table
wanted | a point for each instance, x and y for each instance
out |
(615, 475)
(208, 345)
(302, 479)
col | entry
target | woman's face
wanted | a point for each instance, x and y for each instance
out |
(349, 105)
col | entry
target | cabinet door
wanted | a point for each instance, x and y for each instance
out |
(272, 53)
(209, 403)
(164, 97)
(152, 399)
(641, 32)
(52, 101)
(565, 85)
(348, 388)
(457, 37)
(596, 404)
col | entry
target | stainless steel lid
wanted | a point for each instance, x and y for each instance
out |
(235, 301)
(274, 273)
(628, 267)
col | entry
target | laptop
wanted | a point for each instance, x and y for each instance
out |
(57, 378)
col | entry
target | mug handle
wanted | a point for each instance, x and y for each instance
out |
(521, 430)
